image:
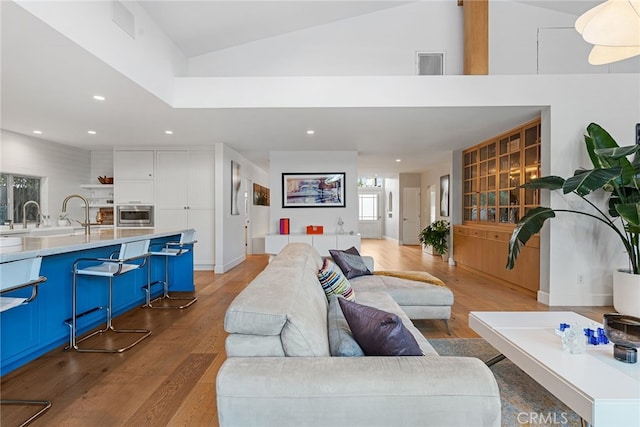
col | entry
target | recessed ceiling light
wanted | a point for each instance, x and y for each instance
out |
(168, 132)
(311, 132)
(398, 160)
(99, 97)
(91, 132)
(37, 132)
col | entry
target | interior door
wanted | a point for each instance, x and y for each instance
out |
(369, 216)
(410, 216)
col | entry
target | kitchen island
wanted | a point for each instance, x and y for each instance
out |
(31, 330)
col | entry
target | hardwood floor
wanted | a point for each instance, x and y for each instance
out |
(169, 379)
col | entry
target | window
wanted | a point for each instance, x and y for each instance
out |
(370, 182)
(493, 171)
(368, 207)
(15, 191)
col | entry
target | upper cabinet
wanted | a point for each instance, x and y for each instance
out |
(134, 176)
(185, 179)
(493, 171)
(134, 164)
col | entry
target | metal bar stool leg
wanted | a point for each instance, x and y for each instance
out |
(46, 404)
(12, 279)
(109, 269)
(165, 294)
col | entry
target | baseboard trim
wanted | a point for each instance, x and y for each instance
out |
(391, 239)
(228, 266)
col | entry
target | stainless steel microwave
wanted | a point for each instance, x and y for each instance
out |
(135, 216)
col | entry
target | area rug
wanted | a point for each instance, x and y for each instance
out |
(524, 401)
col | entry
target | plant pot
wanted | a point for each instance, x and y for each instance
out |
(445, 257)
(626, 293)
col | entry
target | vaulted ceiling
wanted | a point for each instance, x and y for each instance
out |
(47, 82)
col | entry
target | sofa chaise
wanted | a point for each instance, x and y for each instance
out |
(279, 370)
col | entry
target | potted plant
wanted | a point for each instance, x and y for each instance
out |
(619, 178)
(435, 235)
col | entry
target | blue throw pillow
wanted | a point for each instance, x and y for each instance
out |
(341, 341)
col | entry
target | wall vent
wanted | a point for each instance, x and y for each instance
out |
(123, 18)
(430, 63)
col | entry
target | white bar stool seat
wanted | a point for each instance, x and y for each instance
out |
(132, 256)
(171, 249)
(16, 275)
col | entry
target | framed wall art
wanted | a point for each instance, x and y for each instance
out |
(444, 195)
(313, 190)
(261, 195)
(236, 181)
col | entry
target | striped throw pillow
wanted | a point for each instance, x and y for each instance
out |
(334, 282)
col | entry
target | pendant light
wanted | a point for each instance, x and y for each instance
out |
(613, 27)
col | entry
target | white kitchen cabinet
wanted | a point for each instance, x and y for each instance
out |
(133, 164)
(185, 197)
(134, 177)
(185, 179)
(134, 192)
(200, 220)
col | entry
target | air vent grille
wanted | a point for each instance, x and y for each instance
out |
(430, 63)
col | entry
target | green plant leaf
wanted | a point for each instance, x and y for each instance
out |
(630, 213)
(615, 153)
(598, 138)
(584, 182)
(529, 225)
(546, 182)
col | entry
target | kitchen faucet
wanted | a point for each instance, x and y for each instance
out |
(24, 213)
(86, 224)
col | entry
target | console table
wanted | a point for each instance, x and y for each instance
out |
(274, 243)
(602, 390)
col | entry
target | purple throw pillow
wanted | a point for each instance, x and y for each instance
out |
(350, 262)
(377, 332)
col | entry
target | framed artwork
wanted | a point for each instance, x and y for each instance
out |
(313, 190)
(235, 187)
(444, 195)
(261, 195)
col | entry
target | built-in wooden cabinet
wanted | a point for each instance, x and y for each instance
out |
(483, 250)
(493, 203)
(493, 171)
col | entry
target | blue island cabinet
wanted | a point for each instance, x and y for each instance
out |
(31, 330)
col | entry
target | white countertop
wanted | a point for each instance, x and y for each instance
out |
(32, 246)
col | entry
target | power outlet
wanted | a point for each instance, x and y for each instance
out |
(580, 279)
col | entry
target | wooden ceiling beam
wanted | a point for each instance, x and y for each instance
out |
(476, 36)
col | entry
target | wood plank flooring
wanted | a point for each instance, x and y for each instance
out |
(169, 379)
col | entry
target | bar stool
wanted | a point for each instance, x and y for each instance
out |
(16, 275)
(132, 256)
(171, 249)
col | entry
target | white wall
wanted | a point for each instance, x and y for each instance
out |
(151, 59)
(259, 214)
(392, 185)
(429, 178)
(230, 229)
(314, 162)
(528, 39)
(379, 43)
(63, 168)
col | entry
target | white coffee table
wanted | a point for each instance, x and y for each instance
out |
(602, 390)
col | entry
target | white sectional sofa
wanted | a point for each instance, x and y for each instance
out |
(279, 370)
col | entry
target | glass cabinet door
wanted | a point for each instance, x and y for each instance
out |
(493, 172)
